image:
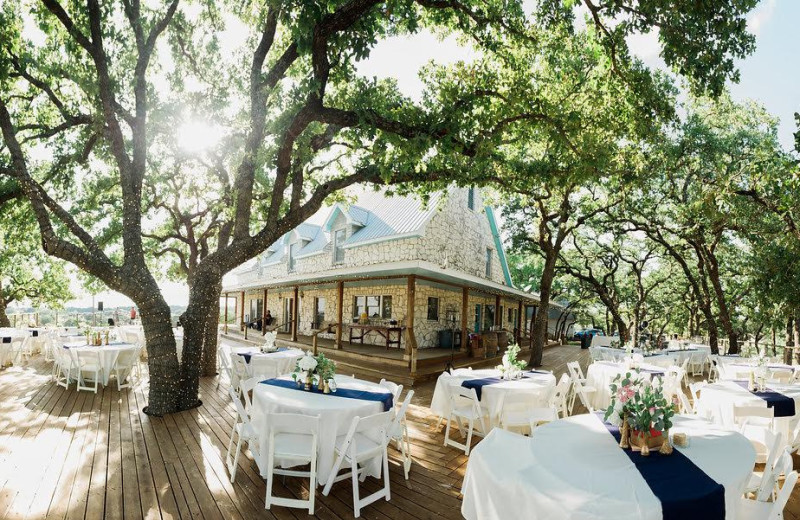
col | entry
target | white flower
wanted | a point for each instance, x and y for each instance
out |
(307, 363)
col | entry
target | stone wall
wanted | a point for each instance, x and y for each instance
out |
(426, 331)
(458, 237)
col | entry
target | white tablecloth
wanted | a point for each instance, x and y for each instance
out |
(490, 394)
(272, 364)
(599, 375)
(574, 469)
(108, 354)
(717, 400)
(740, 368)
(602, 341)
(336, 414)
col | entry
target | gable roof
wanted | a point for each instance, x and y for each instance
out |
(376, 217)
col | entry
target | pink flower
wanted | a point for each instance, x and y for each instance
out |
(652, 410)
(624, 393)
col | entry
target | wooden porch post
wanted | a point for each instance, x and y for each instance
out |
(241, 314)
(264, 314)
(498, 319)
(464, 311)
(411, 340)
(295, 316)
(339, 313)
(518, 325)
(226, 313)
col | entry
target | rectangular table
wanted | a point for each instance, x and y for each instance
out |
(382, 330)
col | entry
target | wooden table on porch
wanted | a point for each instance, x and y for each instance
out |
(383, 330)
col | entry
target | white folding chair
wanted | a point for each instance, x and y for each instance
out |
(779, 376)
(759, 510)
(224, 359)
(394, 388)
(465, 406)
(15, 350)
(757, 424)
(399, 433)
(561, 395)
(65, 365)
(713, 368)
(243, 429)
(365, 441)
(685, 370)
(762, 483)
(292, 439)
(87, 363)
(579, 387)
(246, 391)
(239, 369)
(525, 410)
(695, 388)
(124, 366)
(795, 379)
(697, 361)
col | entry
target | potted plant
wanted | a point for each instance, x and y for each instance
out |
(644, 415)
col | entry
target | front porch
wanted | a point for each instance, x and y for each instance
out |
(376, 361)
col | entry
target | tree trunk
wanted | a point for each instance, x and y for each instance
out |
(539, 336)
(210, 346)
(203, 296)
(4, 321)
(162, 360)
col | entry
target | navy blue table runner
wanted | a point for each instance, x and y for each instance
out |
(478, 384)
(683, 489)
(386, 398)
(248, 355)
(782, 404)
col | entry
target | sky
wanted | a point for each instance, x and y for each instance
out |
(770, 76)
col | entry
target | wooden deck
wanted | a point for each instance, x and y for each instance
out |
(65, 454)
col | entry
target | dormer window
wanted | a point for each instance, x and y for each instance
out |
(471, 198)
(292, 260)
(489, 263)
(339, 237)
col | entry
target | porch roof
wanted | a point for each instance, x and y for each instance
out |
(394, 269)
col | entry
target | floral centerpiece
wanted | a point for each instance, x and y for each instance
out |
(269, 341)
(309, 366)
(644, 415)
(511, 367)
(306, 366)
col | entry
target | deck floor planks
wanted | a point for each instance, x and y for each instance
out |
(74, 455)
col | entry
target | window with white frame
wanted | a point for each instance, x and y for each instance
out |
(338, 246)
(373, 306)
(489, 262)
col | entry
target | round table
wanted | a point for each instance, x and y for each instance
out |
(108, 354)
(269, 364)
(336, 415)
(600, 374)
(741, 368)
(491, 394)
(717, 400)
(574, 469)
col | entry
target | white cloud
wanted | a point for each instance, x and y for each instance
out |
(758, 18)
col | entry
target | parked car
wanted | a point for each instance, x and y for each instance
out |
(588, 332)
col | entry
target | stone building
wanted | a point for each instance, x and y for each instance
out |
(432, 272)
